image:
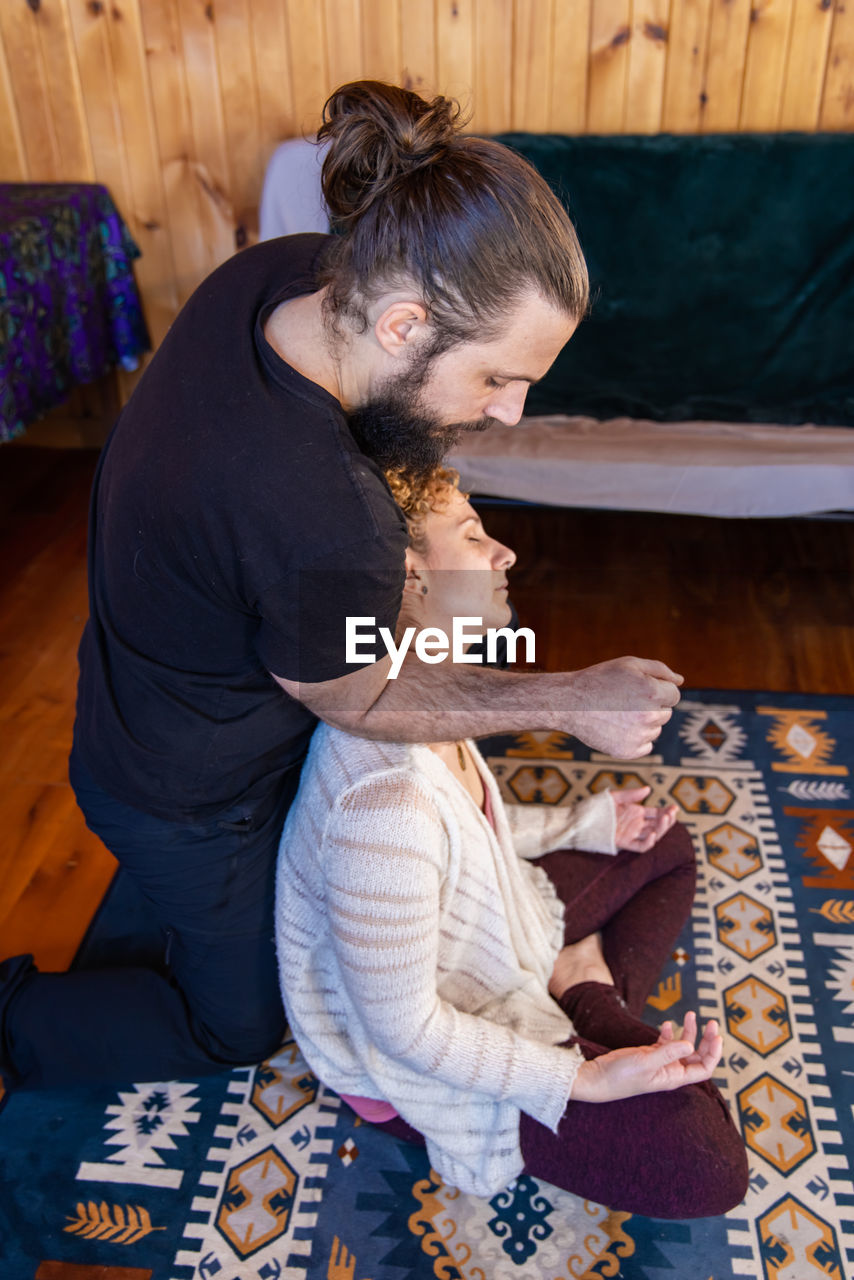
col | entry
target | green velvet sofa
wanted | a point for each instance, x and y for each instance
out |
(715, 371)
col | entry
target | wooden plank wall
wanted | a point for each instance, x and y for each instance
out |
(177, 104)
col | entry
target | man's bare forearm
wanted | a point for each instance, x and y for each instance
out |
(616, 707)
(443, 703)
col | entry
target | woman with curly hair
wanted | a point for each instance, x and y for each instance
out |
(472, 975)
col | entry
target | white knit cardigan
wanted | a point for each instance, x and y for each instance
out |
(415, 947)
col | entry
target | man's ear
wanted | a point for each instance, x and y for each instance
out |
(401, 325)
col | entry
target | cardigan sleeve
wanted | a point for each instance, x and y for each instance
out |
(384, 854)
(590, 824)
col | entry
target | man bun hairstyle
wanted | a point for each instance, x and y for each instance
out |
(467, 222)
(379, 134)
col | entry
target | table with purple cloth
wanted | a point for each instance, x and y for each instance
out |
(69, 306)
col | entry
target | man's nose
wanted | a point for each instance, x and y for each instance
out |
(509, 405)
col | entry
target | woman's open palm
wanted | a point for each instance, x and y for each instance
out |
(654, 1068)
(639, 827)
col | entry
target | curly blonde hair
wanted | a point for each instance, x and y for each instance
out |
(418, 495)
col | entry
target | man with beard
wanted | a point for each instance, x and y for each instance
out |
(240, 515)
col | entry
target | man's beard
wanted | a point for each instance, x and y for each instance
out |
(398, 432)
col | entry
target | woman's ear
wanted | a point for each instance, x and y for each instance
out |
(416, 574)
(413, 584)
(414, 590)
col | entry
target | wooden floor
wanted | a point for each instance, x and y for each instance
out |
(730, 604)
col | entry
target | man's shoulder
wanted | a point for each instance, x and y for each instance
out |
(287, 262)
(371, 506)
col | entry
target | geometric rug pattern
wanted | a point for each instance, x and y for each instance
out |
(263, 1174)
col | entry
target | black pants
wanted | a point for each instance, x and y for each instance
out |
(214, 1004)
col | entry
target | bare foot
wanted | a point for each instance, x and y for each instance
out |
(582, 961)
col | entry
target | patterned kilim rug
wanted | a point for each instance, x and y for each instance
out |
(263, 1174)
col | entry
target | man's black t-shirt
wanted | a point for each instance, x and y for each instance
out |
(234, 527)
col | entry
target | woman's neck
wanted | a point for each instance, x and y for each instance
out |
(457, 757)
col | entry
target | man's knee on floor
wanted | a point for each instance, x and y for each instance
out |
(245, 1045)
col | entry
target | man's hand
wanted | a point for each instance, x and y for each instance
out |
(619, 707)
(654, 1068)
(638, 829)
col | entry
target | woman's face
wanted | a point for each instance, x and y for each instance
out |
(463, 569)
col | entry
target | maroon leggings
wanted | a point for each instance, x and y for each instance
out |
(666, 1155)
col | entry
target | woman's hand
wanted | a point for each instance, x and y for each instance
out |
(638, 829)
(653, 1068)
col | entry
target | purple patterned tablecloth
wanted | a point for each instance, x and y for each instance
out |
(69, 306)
